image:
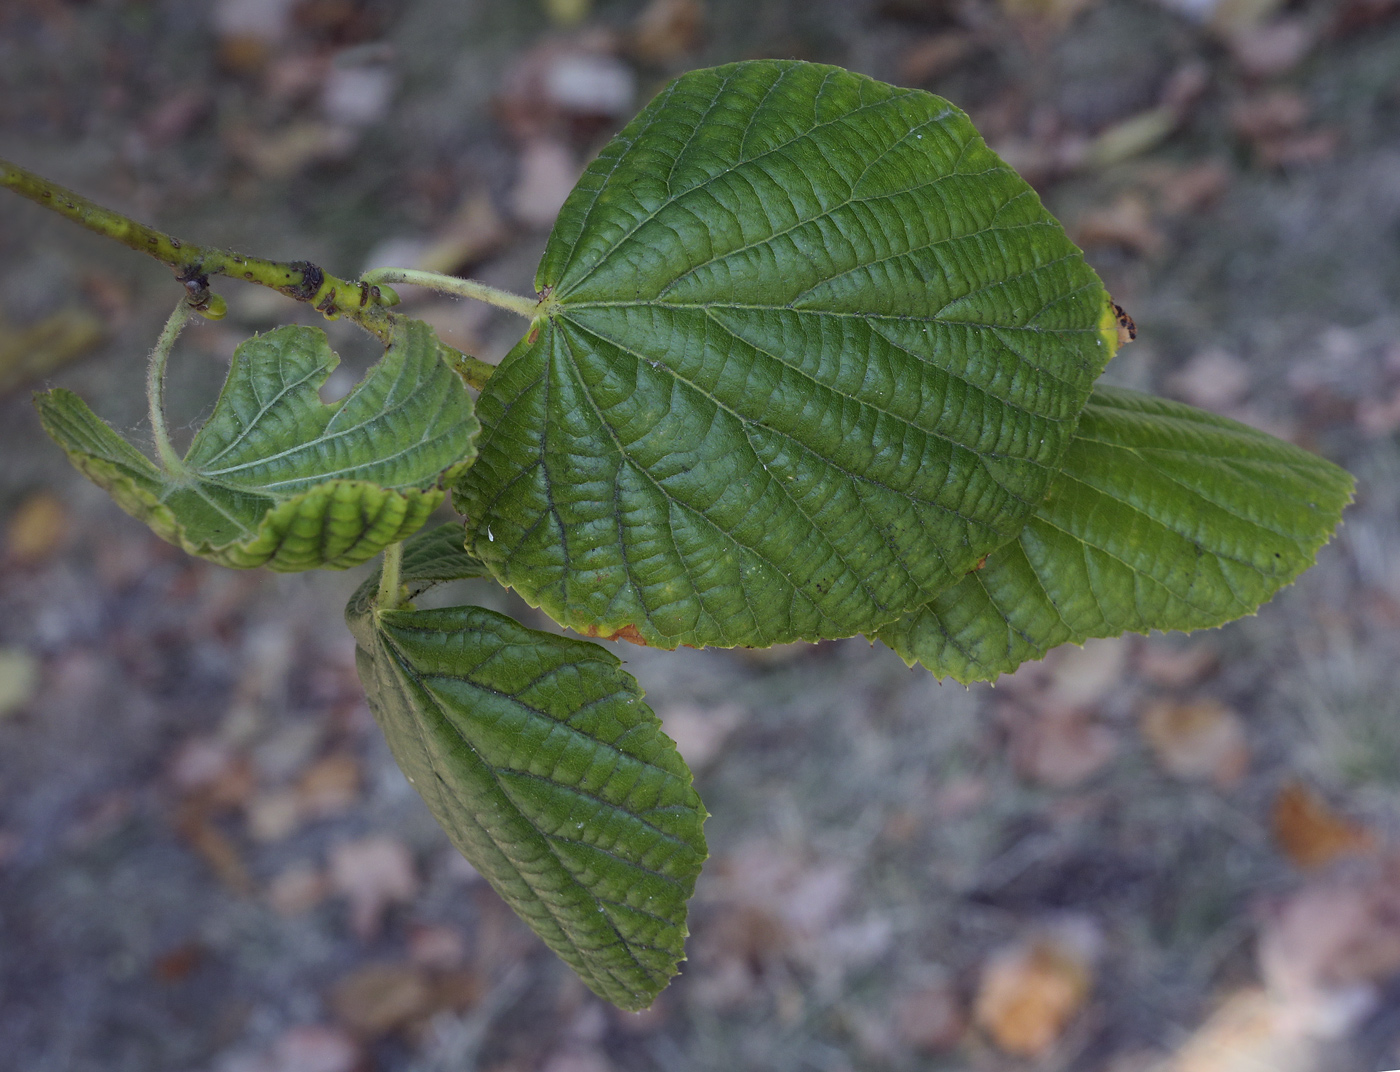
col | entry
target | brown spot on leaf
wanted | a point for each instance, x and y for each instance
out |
(627, 632)
(1127, 330)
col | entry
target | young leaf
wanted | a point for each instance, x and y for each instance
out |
(278, 478)
(1164, 517)
(548, 772)
(809, 350)
(436, 555)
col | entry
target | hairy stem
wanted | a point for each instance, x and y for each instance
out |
(170, 461)
(390, 586)
(364, 303)
(529, 308)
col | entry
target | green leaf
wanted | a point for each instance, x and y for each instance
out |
(809, 350)
(435, 555)
(1164, 517)
(548, 772)
(275, 477)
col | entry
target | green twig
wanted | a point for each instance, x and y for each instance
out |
(362, 302)
(390, 587)
(529, 308)
(170, 461)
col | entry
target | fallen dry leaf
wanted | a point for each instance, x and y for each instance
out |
(1272, 114)
(1029, 992)
(547, 174)
(36, 351)
(437, 945)
(314, 1048)
(1311, 833)
(372, 874)
(1059, 747)
(1274, 48)
(1212, 379)
(298, 889)
(1084, 676)
(19, 679)
(37, 530)
(1175, 667)
(1247, 1033)
(379, 999)
(931, 1019)
(1126, 223)
(213, 846)
(1325, 953)
(935, 55)
(1200, 741)
(330, 786)
(666, 30)
(700, 734)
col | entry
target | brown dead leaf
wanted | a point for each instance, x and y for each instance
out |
(1311, 834)
(36, 351)
(1175, 667)
(1053, 14)
(931, 1019)
(37, 530)
(1126, 223)
(666, 30)
(1245, 1034)
(1201, 741)
(437, 945)
(380, 999)
(372, 874)
(298, 889)
(213, 846)
(1212, 379)
(1278, 111)
(313, 1048)
(1059, 747)
(474, 232)
(547, 174)
(19, 679)
(178, 964)
(1274, 48)
(700, 734)
(933, 56)
(1085, 676)
(1029, 992)
(1327, 950)
(330, 786)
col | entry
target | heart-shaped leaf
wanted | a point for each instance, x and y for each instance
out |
(1164, 517)
(276, 477)
(809, 349)
(537, 755)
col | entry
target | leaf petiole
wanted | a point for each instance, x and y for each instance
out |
(529, 308)
(390, 585)
(170, 460)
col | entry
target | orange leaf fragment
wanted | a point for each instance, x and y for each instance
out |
(1311, 834)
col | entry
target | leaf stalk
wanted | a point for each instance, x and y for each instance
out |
(170, 459)
(390, 585)
(529, 308)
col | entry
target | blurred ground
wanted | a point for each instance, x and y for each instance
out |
(1179, 854)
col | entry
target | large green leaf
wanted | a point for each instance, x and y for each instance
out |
(275, 477)
(1164, 517)
(809, 350)
(537, 755)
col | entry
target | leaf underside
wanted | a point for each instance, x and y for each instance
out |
(278, 478)
(1163, 517)
(813, 350)
(548, 772)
